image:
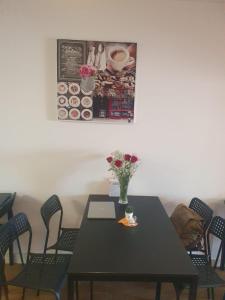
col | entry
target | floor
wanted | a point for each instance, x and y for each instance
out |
(112, 291)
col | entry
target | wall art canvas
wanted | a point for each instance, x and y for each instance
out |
(96, 81)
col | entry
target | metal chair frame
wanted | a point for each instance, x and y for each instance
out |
(65, 236)
(6, 208)
(42, 271)
(208, 278)
(203, 210)
(217, 229)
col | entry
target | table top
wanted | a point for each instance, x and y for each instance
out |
(108, 250)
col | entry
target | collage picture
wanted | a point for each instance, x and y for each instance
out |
(96, 80)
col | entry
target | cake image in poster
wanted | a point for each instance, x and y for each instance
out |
(96, 81)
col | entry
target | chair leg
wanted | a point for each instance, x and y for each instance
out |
(11, 256)
(205, 247)
(208, 293)
(20, 251)
(23, 295)
(6, 290)
(57, 296)
(211, 294)
(222, 260)
(91, 290)
(158, 291)
(178, 289)
(77, 290)
(218, 254)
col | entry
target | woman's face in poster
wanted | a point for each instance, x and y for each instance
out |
(100, 47)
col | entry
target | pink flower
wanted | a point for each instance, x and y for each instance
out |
(118, 163)
(133, 159)
(93, 71)
(87, 71)
(127, 157)
(109, 159)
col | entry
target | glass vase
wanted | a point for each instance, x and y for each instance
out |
(124, 182)
(87, 84)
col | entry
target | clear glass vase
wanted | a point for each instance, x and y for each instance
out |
(87, 84)
(124, 182)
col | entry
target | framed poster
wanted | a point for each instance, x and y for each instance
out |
(96, 81)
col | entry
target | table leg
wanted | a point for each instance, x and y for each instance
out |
(77, 290)
(11, 258)
(222, 261)
(70, 288)
(91, 290)
(158, 291)
(193, 290)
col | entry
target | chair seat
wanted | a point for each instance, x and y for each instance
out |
(43, 272)
(208, 277)
(66, 240)
(207, 274)
(66, 237)
(198, 248)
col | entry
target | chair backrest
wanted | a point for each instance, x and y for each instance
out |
(6, 206)
(48, 209)
(217, 229)
(203, 210)
(12, 230)
(20, 225)
(5, 238)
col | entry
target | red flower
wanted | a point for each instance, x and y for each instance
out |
(133, 159)
(86, 71)
(109, 159)
(118, 163)
(127, 157)
(93, 71)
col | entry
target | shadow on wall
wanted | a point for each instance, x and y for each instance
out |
(50, 171)
(73, 210)
(169, 207)
(41, 174)
(218, 207)
(98, 187)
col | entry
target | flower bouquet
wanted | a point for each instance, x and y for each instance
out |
(123, 166)
(87, 73)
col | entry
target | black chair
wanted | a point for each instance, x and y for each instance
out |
(6, 209)
(208, 278)
(217, 228)
(45, 272)
(66, 237)
(6, 206)
(203, 210)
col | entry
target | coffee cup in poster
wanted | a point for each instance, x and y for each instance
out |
(119, 58)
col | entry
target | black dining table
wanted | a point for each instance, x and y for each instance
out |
(152, 252)
(3, 200)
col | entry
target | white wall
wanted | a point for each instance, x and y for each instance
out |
(180, 95)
